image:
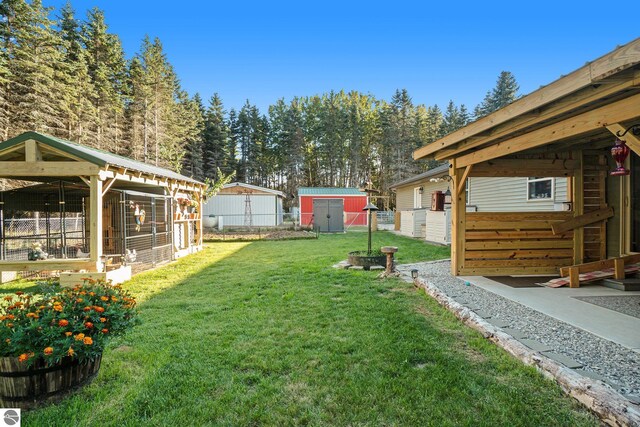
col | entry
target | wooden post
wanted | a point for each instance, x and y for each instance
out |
(578, 208)
(618, 266)
(95, 220)
(574, 277)
(458, 219)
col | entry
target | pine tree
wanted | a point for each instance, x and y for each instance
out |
(137, 111)
(107, 68)
(79, 111)
(162, 86)
(503, 94)
(216, 140)
(191, 126)
(454, 118)
(34, 55)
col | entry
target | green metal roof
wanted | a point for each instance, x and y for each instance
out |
(95, 156)
(329, 191)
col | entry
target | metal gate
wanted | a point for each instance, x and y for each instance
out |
(328, 215)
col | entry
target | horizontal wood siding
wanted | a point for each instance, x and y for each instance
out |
(510, 195)
(503, 243)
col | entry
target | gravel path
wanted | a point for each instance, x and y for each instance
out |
(601, 359)
(629, 305)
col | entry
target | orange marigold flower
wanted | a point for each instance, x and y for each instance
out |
(10, 325)
(88, 325)
(105, 330)
(87, 341)
(3, 317)
(79, 300)
(103, 298)
(42, 307)
(103, 319)
(98, 309)
(68, 333)
(57, 307)
(63, 322)
(8, 341)
(83, 292)
(23, 357)
(8, 298)
(70, 352)
(11, 317)
(114, 299)
(79, 337)
(19, 293)
(48, 351)
(18, 304)
(32, 315)
(87, 308)
(93, 294)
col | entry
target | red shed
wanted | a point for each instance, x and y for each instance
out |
(330, 209)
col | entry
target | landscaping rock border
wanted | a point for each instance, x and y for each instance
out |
(588, 387)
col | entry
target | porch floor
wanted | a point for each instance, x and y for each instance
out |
(565, 304)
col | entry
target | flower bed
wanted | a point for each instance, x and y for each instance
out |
(69, 326)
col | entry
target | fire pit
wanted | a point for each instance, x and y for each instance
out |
(366, 259)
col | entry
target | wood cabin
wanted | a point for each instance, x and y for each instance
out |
(563, 130)
(240, 204)
(74, 211)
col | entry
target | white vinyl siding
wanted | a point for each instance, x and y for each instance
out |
(404, 195)
(510, 195)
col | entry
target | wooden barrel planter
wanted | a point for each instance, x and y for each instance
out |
(27, 388)
(365, 260)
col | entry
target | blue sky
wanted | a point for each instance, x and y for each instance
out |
(267, 50)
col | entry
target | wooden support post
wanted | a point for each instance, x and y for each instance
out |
(95, 220)
(458, 219)
(578, 208)
(574, 277)
(618, 266)
(31, 151)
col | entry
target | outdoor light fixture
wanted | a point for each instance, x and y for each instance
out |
(447, 196)
(620, 151)
(414, 274)
(421, 190)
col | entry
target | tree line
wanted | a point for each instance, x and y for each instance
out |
(70, 78)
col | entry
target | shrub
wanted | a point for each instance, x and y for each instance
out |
(74, 322)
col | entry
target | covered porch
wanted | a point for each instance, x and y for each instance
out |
(563, 130)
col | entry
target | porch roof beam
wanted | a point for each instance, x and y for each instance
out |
(620, 111)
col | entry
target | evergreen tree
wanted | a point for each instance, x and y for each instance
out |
(191, 121)
(216, 140)
(34, 55)
(503, 94)
(107, 68)
(79, 111)
(454, 118)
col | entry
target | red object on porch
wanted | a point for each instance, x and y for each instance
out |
(620, 152)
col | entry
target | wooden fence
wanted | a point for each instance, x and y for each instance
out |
(504, 243)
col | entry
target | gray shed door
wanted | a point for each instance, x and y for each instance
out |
(328, 215)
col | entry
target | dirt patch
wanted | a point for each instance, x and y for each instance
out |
(246, 235)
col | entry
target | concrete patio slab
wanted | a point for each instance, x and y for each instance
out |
(561, 304)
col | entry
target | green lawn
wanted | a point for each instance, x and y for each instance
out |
(267, 333)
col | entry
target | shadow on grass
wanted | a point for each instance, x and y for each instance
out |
(269, 334)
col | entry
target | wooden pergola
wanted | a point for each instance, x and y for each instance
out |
(42, 158)
(564, 129)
